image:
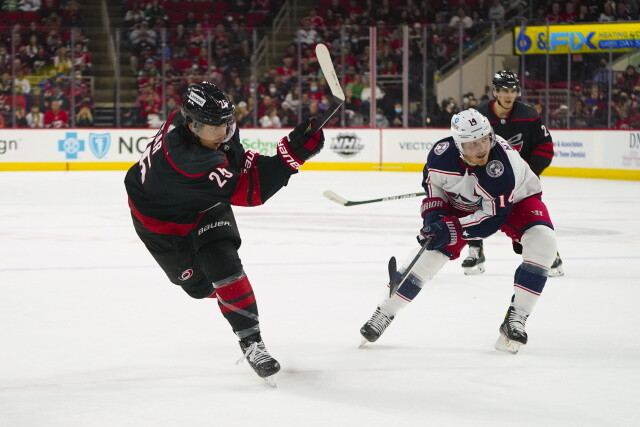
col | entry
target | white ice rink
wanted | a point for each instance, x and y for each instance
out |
(93, 334)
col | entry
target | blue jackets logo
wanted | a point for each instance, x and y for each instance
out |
(71, 145)
(99, 143)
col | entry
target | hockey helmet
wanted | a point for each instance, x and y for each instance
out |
(206, 104)
(507, 79)
(470, 125)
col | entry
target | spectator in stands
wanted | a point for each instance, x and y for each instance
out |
(81, 59)
(306, 35)
(629, 79)
(607, 14)
(20, 118)
(56, 117)
(461, 19)
(622, 12)
(570, 14)
(10, 6)
(288, 117)
(496, 11)
(243, 116)
(555, 15)
(84, 118)
(270, 119)
(30, 5)
(21, 81)
(380, 120)
(584, 14)
(35, 119)
(155, 13)
(134, 15)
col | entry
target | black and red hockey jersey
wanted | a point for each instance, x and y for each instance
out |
(177, 179)
(523, 129)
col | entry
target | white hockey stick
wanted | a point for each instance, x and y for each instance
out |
(337, 95)
(344, 202)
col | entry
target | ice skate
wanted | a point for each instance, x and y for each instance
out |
(556, 269)
(474, 262)
(260, 360)
(512, 333)
(375, 326)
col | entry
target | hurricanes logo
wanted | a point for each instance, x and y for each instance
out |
(346, 144)
(441, 148)
(495, 168)
(186, 275)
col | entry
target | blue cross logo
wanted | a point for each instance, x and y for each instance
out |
(71, 145)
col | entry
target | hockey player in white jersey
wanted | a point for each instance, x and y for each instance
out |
(476, 184)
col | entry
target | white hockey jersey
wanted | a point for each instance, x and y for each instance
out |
(486, 194)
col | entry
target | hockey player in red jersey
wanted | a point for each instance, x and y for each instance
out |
(180, 196)
(476, 184)
(521, 126)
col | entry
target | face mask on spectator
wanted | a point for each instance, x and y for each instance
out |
(314, 88)
(398, 110)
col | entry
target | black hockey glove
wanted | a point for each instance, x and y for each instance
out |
(297, 148)
(446, 231)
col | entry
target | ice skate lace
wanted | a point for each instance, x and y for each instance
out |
(517, 321)
(256, 354)
(474, 252)
(379, 321)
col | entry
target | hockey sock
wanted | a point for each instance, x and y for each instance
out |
(238, 304)
(529, 281)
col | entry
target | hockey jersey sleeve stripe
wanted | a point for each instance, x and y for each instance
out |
(444, 172)
(162, 227)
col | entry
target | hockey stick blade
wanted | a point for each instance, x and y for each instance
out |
(344, 202)
(337, 95)
(335, 198)
(393, 270)
(394, 283)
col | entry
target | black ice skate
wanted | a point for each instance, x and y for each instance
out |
(556, 269)
(259, 358)
(512, 333)
(474, 262)
(375, 326)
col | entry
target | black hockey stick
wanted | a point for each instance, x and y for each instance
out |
(394, 280)
(344, 202)
(337, 95)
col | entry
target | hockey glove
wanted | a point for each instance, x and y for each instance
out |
(433, 209)
(297, 148)
(446, 231)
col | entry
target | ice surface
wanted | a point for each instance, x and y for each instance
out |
(93, 334)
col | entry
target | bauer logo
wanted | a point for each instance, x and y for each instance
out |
(71, 145)
(346, 144)
(99, 143)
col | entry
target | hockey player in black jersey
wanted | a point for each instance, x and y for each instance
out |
(521, 126)
(180, 196)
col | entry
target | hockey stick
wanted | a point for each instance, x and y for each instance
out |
(394, 280)
(344, 202)
(337, 95)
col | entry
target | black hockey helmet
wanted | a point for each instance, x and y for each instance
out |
(505, 78)
(205, 103)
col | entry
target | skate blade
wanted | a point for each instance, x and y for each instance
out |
(271, 381)
(472, 271)
(556, 272)
(506, 345)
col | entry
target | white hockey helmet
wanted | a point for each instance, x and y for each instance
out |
(470, 125)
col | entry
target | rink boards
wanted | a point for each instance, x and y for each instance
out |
(613, 154)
